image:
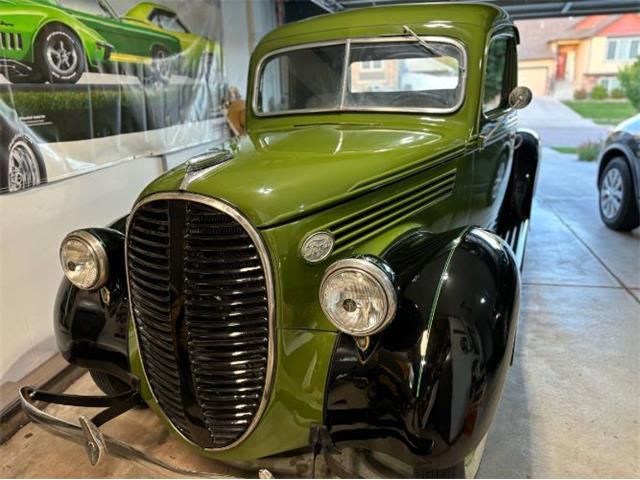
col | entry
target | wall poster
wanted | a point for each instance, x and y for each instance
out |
(87, 83)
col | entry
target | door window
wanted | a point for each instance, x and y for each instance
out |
(498, 78)
(168, 21)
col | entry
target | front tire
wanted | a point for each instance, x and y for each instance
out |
(617, 202)
(465, 469)
(109, 384)
(159, 72)
(59, 55)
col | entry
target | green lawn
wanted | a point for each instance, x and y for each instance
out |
(566, 149)
(603, 111)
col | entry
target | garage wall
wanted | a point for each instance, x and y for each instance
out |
(33, 222)
(32, 226)
(259, 18)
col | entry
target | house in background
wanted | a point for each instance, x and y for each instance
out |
(561, 55)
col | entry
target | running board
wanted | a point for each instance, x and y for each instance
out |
(517, 240)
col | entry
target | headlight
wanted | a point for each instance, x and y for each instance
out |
(84, 260)
(358, 296)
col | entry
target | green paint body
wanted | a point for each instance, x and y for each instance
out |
(297, 174)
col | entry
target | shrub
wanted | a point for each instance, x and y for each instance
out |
(580, 94)
(599, 92)
(630, 82)
(588, 151)
(617, 93)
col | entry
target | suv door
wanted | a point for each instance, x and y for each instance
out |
(497, 129)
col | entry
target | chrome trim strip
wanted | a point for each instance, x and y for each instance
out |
(348, 42)
(269, 281)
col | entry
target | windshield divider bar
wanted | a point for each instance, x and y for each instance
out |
(345, 75)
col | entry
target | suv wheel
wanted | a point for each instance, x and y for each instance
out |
(618, 207)
(60, 55)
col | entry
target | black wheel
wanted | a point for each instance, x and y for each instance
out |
(465, 469)
(159, 72)
(59, 55)
(618, 207)
(21, 166)
(34, 76)
(109, 384)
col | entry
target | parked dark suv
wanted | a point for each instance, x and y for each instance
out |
(619, 177)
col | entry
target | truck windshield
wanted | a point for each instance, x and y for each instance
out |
(393, 75)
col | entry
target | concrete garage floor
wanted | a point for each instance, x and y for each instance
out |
(572, 403)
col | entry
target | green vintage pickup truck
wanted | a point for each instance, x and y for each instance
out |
(341, 280)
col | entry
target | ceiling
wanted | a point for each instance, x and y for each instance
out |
(517, 9)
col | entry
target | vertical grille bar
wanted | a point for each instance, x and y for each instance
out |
(149, 280)
(200, 288)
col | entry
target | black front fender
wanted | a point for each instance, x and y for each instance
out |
(91, 325)
(426, 389)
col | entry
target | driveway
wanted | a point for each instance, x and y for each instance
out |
(558, 125)
(571, 407)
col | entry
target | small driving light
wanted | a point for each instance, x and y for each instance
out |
(358, 296)
(84, 260)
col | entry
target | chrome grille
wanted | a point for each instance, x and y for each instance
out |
(200, 295)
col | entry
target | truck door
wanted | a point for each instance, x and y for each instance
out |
(497, 128)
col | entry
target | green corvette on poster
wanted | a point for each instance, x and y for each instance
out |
(59, 40)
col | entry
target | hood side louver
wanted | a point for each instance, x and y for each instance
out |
(11, 41)
(369, 221)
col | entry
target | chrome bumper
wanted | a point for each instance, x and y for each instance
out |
(98, 444)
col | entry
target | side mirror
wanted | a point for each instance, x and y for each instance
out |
(520, 97)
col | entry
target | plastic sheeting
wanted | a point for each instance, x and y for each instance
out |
(89, 83)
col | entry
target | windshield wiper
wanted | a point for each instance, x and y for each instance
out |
(423, 44)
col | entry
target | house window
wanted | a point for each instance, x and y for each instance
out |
(610, 83)
(371, 65)
(625, 48)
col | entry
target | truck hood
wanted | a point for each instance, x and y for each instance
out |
(279, 176)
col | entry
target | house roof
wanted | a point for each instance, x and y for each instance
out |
(628, 24)
(535, 36)
(587, 27)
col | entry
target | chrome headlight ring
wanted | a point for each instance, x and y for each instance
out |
(84, 260)
(358, 295)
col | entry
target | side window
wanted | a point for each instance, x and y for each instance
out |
(498, 77)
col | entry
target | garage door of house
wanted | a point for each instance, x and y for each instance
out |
(535, 78)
